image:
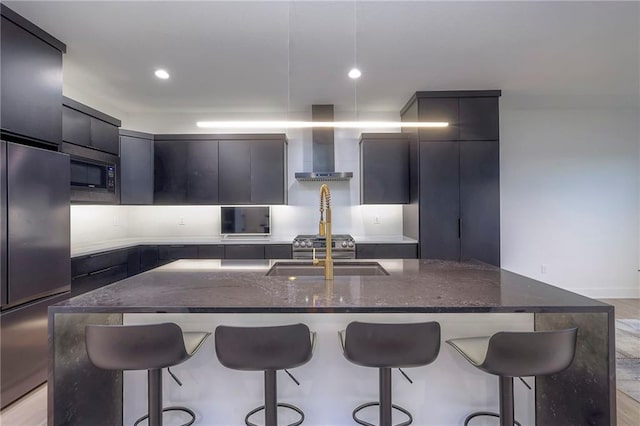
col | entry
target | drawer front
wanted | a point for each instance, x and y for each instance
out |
(211, 252)
(99, 261)
(240, 251)
(97, 279)
(278, 251)
(387, 251)
(177, 252)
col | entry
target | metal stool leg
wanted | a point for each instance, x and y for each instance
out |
(154, 397)
(506, 401)
(385, 397)
(191, 421)
(271, 404)
(506, 415)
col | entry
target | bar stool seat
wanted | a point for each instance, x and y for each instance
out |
(387, 346)
(516, 354)
(150, 347)
(266, 349)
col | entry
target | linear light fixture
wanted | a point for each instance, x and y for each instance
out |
(310, 124)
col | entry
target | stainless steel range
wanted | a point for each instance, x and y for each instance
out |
(343, 247)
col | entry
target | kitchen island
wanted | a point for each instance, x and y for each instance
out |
(466, 298)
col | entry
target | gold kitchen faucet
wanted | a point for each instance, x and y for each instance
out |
(324, 230)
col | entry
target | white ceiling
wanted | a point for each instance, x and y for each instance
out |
(233, 56)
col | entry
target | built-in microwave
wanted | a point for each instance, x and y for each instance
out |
(94, 175)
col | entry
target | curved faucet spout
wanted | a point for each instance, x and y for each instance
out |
(324, 230)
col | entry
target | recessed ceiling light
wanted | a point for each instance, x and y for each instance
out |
(163, 74)
(355, 73)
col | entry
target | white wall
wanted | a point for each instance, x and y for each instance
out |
(569, 193)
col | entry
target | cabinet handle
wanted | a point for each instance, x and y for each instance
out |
(103, 270)
(459, 228)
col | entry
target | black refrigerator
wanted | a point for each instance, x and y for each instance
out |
(35, 269)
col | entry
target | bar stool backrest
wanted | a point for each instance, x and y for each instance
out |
(536, 353)
(392, 345)
(135, 347)
(263, 348)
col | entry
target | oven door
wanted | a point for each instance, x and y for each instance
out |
(94, 176)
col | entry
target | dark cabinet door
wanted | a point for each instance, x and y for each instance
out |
(170, 172)
(384, 165)
(386, 251)
(105, 136)
(439, 200)
(241, 251)
(267, 172)
(438, 109)
(480, 201)
(211, 252)
(235, 172)
(97, 279)
(149, 258)
(31, 80)
(136, 170)
(202, 173)
(479, 119)
(76, 127)
(177, 252)
(278, 251)
(98, 261)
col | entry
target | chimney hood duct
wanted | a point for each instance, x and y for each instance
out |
(323, 150)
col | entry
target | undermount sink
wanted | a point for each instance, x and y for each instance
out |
(307, 269)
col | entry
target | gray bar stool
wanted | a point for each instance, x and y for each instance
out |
(149, 347)
(387, 346)
(267, 349)
(517, 354)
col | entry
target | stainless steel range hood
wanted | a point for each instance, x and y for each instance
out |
(323, 150)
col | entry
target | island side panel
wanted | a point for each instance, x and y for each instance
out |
(80, 393)
(585, 393)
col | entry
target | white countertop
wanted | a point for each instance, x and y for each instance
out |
(86, 249)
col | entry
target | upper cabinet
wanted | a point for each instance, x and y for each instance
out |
(83, 125)
(384, 168)
(253, 171)
(185, 170)
(472, 115)
(220, 169)
(136, 167)
(31, 80)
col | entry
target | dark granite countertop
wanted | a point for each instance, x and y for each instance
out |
(412, 286)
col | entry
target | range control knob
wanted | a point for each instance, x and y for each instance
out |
(309, 244)
(351, 244)
(296, 243)
(344, 244)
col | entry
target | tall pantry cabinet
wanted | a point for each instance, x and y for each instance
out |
(454, 209)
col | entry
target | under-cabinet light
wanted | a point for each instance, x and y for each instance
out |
(310, 124)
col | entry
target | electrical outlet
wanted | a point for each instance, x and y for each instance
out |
(181, 221)
(115, 221)
(376, 220)
(544, 268)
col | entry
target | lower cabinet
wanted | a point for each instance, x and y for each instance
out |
(244, 251)
(278, 251)
(99, 269)
(387, 251)
(175, 252)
